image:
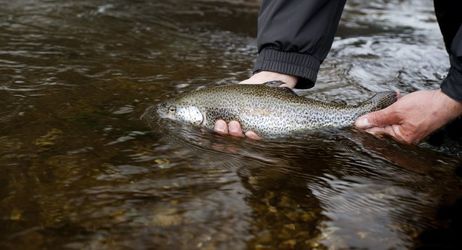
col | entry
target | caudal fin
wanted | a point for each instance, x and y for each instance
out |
(379, 101)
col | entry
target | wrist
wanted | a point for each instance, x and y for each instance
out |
(266, 76)
(451, 106)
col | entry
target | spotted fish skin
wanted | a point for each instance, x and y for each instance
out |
(268, 111)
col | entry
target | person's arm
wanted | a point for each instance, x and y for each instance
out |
(294, 37)
(420, 113)
(450, 22)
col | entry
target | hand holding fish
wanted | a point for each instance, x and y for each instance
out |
(234, 128)
(409, 120)
(412, 117)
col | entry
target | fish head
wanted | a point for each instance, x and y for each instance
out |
(180, 112)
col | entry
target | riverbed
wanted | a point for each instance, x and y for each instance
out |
(81, 170)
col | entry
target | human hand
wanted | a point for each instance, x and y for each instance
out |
(412, 117)
(233, 128)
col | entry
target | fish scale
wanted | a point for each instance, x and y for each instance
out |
(268, 111)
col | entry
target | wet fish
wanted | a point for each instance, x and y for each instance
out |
(268, 111)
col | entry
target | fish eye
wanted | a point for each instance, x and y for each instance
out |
(172, 109)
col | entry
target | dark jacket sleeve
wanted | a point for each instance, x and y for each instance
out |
(294, 36)
(449, 16)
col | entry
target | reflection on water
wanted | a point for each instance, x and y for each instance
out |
(81, 170)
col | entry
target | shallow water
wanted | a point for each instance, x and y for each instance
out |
(81, 170)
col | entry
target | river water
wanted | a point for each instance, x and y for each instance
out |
(81, 170)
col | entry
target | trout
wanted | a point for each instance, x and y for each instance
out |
(266, 110)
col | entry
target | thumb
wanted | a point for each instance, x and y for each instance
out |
(381, 118)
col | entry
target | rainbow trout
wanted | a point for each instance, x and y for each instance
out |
(268, 111)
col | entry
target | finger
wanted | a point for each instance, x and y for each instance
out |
(221, 127)
(381, 118)
(392, 131)
(252, 135)
(381, 131)
(235, 129)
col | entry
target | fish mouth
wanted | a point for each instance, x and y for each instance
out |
(161, 110)
(155, 113)
(148, 113)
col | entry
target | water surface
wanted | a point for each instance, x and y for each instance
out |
(81, 170)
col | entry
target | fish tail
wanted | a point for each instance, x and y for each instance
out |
(379, 101)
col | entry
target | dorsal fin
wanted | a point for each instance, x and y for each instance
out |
(275, 83)
(287, 90)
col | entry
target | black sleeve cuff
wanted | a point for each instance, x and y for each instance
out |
(452, 85)
(304, 66)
